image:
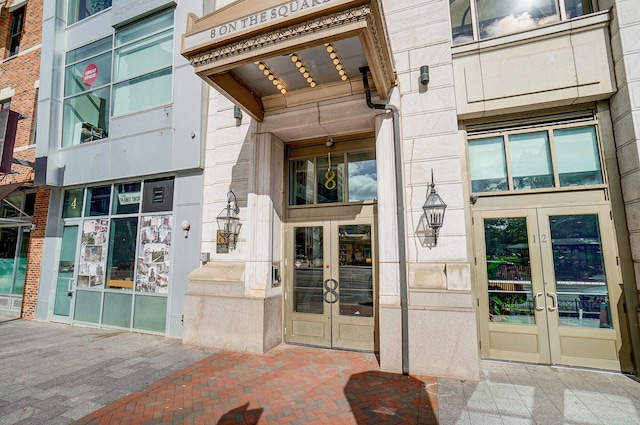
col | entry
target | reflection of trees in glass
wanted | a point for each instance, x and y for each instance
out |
(577, 250)
(507, 248)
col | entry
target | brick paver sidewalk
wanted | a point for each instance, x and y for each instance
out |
(288, 385)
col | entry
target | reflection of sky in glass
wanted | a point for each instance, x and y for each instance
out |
(362, 180)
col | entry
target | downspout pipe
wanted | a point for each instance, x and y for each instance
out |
(402, 250)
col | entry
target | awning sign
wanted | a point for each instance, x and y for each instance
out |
(268, 16)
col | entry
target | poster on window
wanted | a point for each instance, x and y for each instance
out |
(93, 253)
(154, 254)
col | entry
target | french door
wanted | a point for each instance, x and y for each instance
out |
(330, 284)
(548, 286)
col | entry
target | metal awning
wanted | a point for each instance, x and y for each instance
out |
(23, 218)
(270, 54)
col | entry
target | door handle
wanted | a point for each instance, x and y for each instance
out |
(536, 301)
(71, 286)
(554, 297)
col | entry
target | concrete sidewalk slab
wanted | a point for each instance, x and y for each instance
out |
(54, 374)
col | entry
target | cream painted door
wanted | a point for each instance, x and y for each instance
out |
(331, 284)
(549, 286)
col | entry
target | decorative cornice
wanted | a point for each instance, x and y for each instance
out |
(252, 44)
(379, 39)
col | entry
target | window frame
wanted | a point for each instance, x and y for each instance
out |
(15, 31)
(134, 45)
(549, 128)
(74, 14)
(76, 56)
(473, 12)
(68, 98)
(344, 162)
(85, 215)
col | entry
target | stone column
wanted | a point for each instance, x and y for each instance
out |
(389, 316)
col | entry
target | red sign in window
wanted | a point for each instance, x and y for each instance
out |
(90, 74)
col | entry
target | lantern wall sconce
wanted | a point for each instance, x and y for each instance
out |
(228, 220)
(434, 208)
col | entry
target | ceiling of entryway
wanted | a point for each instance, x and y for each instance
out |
(321, 64)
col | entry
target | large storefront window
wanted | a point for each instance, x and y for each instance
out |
(14, 241)
(334, 178)
(124, 258)
(142, 62)
(494, 18)
(530, 160)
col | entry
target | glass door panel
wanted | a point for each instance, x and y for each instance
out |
(581, 283)
(66, 272)
(510, 293)
(308, 275)
(355, 270)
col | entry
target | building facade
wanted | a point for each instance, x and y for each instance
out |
(120, 146)
(249, 173)
(520, 115)
(23, 208)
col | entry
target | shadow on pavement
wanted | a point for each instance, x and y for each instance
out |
(382, 397)
(241, 415)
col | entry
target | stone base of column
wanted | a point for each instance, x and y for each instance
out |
(217, 313)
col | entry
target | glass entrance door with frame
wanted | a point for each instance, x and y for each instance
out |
(548, 286)
(330, 283)
(67, 275)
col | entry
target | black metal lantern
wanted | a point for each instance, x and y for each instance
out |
(228, 221)
(434, 208)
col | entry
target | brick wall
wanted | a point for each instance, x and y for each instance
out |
(34, 259)
(20, 74)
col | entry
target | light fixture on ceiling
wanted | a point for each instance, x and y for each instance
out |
(303, 70)
(333, 55)
(271, 77)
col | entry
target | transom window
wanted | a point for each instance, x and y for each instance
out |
(103, 80)
(479, 19)
(333, 178)
(542, 159)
